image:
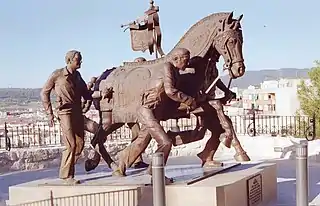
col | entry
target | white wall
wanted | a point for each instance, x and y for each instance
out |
(287, 102)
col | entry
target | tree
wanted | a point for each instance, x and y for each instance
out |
(309, 93)
(309, 97)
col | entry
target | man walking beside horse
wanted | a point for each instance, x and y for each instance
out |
(152, 110)
(69, 88)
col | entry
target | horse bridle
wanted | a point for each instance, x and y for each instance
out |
(221, 41)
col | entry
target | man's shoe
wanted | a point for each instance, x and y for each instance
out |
(71, 181)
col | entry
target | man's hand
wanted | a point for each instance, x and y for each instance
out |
(202, 98)
(191, 103)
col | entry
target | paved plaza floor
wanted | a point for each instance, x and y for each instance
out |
(285, 178)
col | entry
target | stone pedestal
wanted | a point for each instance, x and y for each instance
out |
(246, 184)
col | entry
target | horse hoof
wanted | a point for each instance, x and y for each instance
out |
(212, 164)
(242, 157)
(90, 165)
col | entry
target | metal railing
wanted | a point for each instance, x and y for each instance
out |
(254, 125)
(41, 135)
(128, 197)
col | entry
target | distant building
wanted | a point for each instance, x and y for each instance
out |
(277, 97)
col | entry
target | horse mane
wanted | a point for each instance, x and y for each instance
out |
(209, 18)
(190, 38)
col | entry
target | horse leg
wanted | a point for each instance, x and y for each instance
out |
(189, 136)
(241, 154)
(185, 137)
(221, 125)
(135, 128)
(101, 134)
(206, 155)
(227, 135)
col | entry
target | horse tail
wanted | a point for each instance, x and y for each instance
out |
(96, 84)
(86, 104)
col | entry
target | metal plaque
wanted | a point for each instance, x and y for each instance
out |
(254, 190)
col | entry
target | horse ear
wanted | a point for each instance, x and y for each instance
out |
(240, 17)
(229, 18)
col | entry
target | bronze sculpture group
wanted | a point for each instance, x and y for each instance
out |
(147, 92)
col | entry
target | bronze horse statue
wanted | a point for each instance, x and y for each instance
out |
(215, 35)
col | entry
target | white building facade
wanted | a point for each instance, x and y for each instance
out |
(275, 97)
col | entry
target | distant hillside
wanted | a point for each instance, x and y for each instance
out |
(256, 77)
(19, 95)
(25, 95)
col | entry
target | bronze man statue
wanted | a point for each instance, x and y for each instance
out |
(225, 128)
(150, 112)
(69, 88)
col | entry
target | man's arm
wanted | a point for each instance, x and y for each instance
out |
(170, 90)
(86, 93)
(194, 61)
(45, 94)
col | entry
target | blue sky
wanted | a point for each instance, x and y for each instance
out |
(35, 34)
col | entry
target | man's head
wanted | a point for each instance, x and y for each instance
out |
(73, 59)
(180, 58)
(140, 59)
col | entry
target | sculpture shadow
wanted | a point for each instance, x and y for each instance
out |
(130, 173)
(241, 167)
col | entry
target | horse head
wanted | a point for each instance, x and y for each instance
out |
(228, 44)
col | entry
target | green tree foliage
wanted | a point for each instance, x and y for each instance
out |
(309, 95)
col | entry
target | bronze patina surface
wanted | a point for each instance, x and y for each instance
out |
(69, 88)
(137, 84)
(145, 32)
